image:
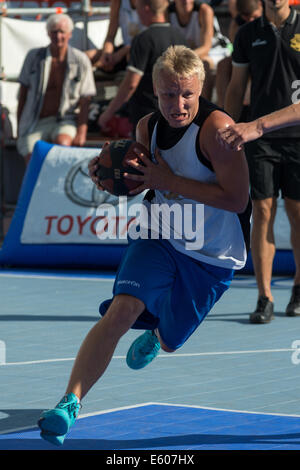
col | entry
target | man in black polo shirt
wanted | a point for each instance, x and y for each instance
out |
(136, 87)
(268, 51)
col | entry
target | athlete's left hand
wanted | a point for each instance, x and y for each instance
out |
(154, 175)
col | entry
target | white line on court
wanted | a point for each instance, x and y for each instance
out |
(213, 353)
(141, 405)
(200, 407)
(66, 277)
(220, 409)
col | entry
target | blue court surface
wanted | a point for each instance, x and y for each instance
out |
(232, 386)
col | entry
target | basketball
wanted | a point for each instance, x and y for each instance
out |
(112, 166)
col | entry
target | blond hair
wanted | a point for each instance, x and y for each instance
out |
(180, 61)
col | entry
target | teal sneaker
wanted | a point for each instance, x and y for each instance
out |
(143, 350)
(55, 424)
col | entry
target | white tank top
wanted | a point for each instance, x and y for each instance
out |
(192, 29)
(214, 236)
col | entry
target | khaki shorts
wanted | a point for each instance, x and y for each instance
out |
(46, 129)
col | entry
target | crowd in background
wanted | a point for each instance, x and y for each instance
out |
(191, 22)
(249, 72)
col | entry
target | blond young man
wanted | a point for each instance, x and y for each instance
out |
(176, 280)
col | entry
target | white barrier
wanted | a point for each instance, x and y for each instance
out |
(57, 220)
(19, 36)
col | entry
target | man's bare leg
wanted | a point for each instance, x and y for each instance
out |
(293, 211)
(91, 362)
(263, 244)
(263, 252)
(63, 139)
(98, 347)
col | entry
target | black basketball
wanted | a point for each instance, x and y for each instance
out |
(112, 166)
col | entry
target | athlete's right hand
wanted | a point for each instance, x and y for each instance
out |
(93, 166)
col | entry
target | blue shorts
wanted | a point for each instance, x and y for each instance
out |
(177, 290)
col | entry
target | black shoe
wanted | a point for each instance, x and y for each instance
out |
(264, 312)
(293, 308)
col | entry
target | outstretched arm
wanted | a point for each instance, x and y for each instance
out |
(206, 21)
(82, 123)
(126, 90)
(234, 136)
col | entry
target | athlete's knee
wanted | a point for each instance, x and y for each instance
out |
(125, 309)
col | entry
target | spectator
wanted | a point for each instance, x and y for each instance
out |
(246, 10)
(236, 20)
(267, 50)
(111, 58)
(198, 23)
(136, 88)
(56, 85)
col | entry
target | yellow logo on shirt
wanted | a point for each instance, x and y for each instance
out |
(295, 42)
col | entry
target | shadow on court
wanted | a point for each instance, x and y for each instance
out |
(242, 321)
(190, 441)
(85, 318)
(21, 418)
(47, 318)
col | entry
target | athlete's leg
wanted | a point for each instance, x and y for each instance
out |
(162, 345)
(99, 345)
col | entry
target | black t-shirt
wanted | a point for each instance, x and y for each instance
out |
(145, 49)
(273, 56)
